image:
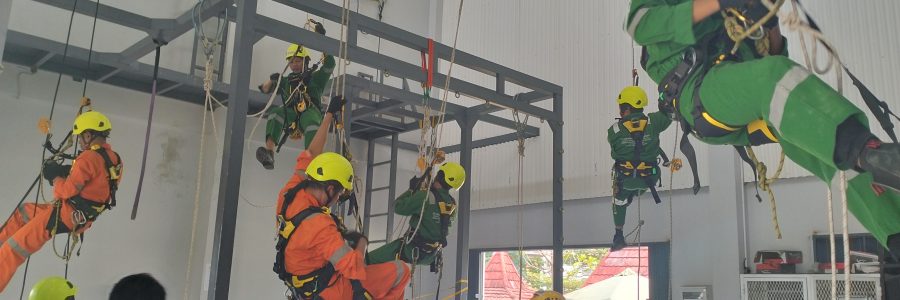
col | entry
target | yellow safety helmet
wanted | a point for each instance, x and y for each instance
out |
(454, 174)
(91, 120)
(549, 295)
(295, 50)
(330, 166)
(634, 96)
(53, 288)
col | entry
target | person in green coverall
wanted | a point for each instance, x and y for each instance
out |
(634, 144)
(760, 96)
(301, 93)
(422, 247)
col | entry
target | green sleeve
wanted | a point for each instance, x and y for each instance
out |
(320, 78)
(611, 139)
(409, 203)
(654, 21)
(659, 121)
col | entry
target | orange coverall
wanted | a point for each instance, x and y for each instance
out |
(318, 241)
(26, 231)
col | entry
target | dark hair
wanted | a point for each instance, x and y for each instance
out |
(138, 287)
(624, 106)
(103, 134)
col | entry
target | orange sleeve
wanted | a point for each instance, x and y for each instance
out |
(331, 246)
(303, 161)
(85, 168)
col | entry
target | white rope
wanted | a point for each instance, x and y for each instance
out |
(436, 136)
(831, 242)
(520, 194)
(207, 106)
(794, 21)
(846, 236)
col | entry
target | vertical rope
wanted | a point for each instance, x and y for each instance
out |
(831, 242)
(846, 236)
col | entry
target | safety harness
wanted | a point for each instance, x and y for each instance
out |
(295, 96)
(636, 168)
(86, 210)
(696, 61)
(445, 208)
(310, 285)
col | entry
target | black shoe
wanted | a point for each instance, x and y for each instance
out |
(618, 242)
(893, 245)
(883, 161)
(265, 157)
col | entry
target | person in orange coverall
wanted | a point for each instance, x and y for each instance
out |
(317, 257)
(81, 192)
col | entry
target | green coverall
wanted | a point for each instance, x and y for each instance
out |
(311, 118)
(410, 204)
(802, 109)
(622, 145)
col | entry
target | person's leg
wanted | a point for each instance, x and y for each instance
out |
(310, 120)
(24, 242)
(620, 204)
(387, 252)
(803, 109)
(278, 117)
(387, 281)
(22, 215)
(818, 129)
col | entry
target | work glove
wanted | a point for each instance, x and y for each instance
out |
(319, 28)
(415, 183)
(336, 105)
(53, 169)
(754, 9)
(353, 237)
(275, 77)
(354, 204)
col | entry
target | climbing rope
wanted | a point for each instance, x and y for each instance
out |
(46, 124)
(794, 21)
(521, 124)
(435, 138)
(207, 108)
(765, 183)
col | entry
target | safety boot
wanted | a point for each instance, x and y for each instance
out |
(883, 162)
(266, 157)
(618, 241)
(893, 245)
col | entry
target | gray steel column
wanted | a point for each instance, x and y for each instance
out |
(726, 192)
(230, 178)
(466, 124)
(558, 239)
(367, 210)
(5, 7)
(392, 183)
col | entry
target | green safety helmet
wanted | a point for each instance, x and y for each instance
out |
(53, 288)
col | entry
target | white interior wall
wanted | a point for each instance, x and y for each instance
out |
(504, 32)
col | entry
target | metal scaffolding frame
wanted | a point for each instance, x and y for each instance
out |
(122, 69)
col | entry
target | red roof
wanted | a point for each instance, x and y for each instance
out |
(501, 279)
(616, 262)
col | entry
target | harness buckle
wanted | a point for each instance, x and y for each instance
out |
(78, 217)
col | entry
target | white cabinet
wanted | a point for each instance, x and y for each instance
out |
(807, 287)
